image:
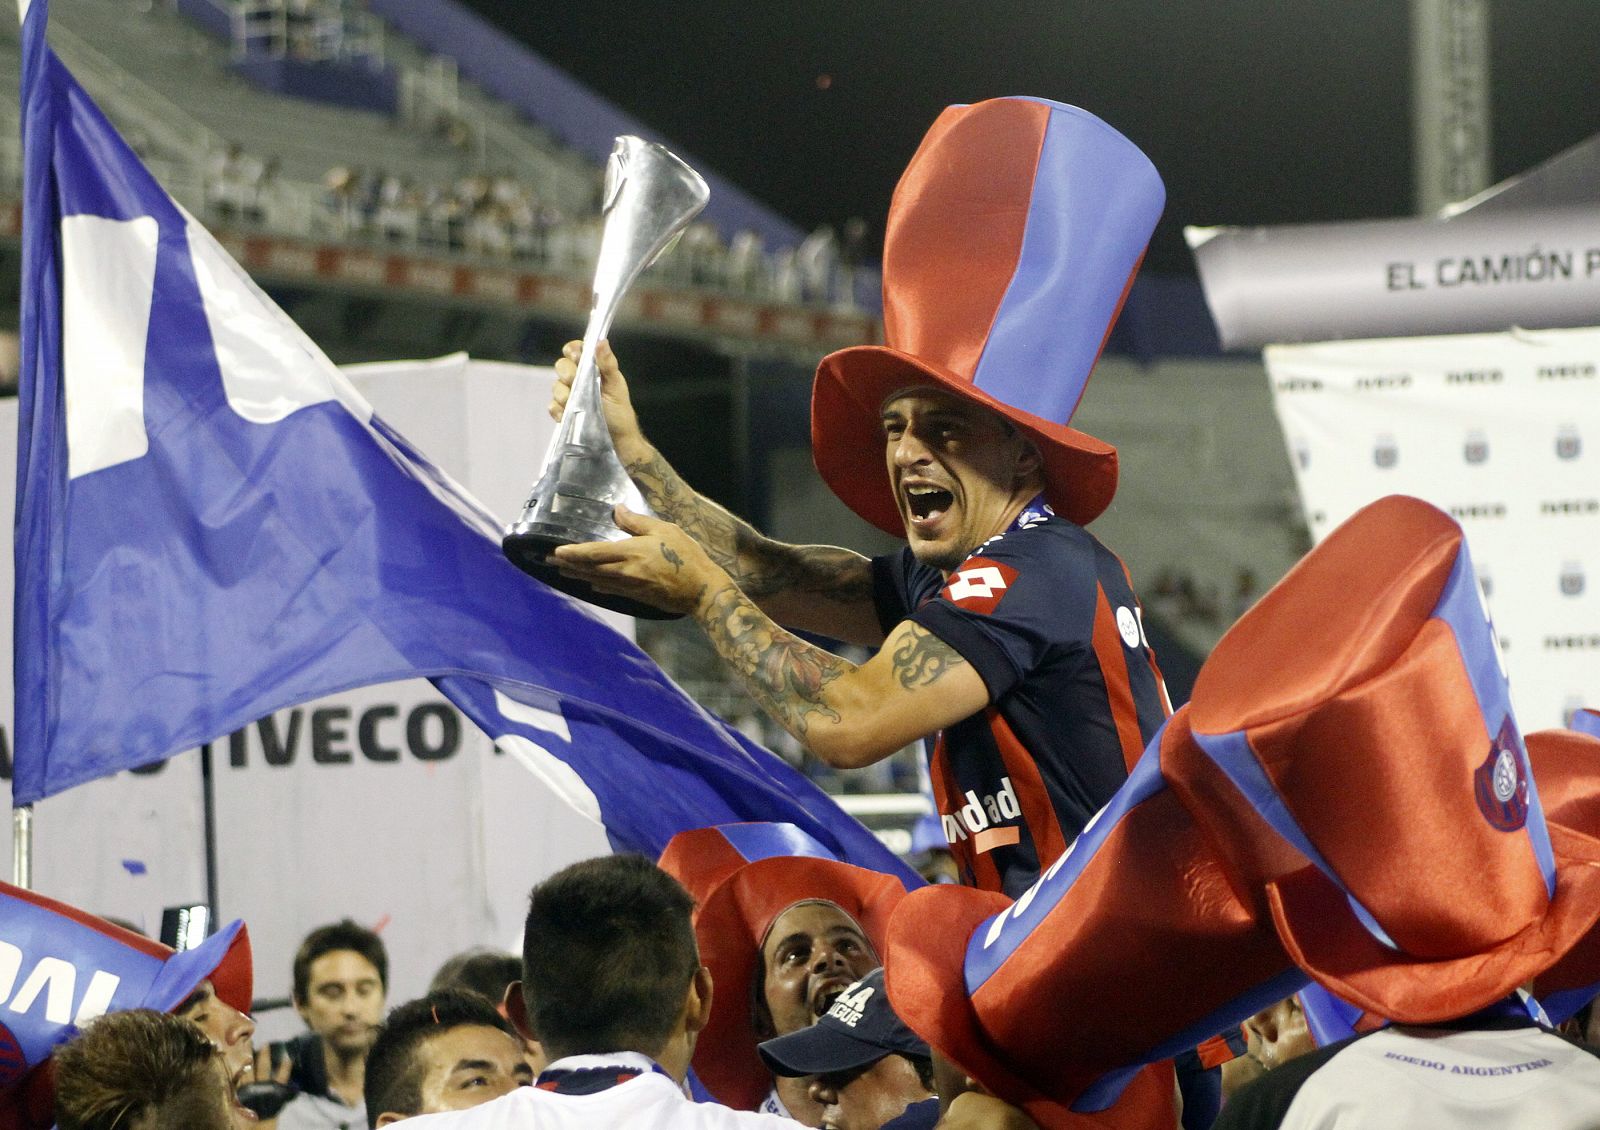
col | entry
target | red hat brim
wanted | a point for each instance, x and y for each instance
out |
(1324, 937)
(927, 946)
(1080, 472)
(731, 923)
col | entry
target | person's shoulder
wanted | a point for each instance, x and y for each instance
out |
(1047, 536)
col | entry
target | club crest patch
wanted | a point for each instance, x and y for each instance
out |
(1500, 784)
(980, 584)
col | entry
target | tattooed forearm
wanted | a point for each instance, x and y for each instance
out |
(672, 498)
(787, 676)
(922, 657)
(759, 565)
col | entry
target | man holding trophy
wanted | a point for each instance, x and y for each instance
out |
(1003, 625)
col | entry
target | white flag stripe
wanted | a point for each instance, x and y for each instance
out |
(270, 368)
(549, 721)
(561, 778)
(108, 283)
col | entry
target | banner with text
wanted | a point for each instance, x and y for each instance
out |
(1502, 431)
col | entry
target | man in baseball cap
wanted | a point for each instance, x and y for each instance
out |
(867, 1069)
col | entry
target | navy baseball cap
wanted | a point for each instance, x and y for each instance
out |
(857, 1030)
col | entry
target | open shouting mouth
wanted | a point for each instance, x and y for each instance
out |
(927, 503)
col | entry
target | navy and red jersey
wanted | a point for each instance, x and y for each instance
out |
(1047, 617)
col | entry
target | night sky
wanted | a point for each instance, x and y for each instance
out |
(1255, 111)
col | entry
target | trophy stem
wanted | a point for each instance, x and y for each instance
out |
(650, 197)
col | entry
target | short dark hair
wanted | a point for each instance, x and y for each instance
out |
(342, 935)
(483, 971)
(128, 1064)
(608, 954)
(395, 1070)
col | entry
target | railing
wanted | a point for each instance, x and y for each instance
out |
(312, 31)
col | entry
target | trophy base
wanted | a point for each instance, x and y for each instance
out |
(529, 551)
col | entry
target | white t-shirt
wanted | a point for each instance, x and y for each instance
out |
(1519, 1078)
(650, 1101)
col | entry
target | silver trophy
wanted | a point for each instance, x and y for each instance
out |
(650, 196)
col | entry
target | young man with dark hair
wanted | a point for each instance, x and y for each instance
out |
(449, 1050)
(614, 990)
(341, 978)
(144, 1070)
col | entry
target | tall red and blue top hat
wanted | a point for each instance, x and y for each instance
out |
(61, 968)
(1346, 797)
(742, 878)
(1013, 237)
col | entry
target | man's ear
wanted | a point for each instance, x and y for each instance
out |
(389, 1117)
(1029, 462)
(517, 1011)
(697, 1003)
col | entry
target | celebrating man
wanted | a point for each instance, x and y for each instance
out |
(1012, 239)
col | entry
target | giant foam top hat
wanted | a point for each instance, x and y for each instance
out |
(743, 877)
(1131, 947)
(61, 968)
(1365, 692)
(1013, 237)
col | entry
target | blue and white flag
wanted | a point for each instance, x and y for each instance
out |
(213, 525)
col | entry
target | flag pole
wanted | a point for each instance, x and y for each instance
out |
(22, 847)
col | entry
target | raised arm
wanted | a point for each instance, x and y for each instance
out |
(818, 588)
(849, 715)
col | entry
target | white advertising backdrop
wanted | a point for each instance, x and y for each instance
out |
(1502, 431)
(382, 804)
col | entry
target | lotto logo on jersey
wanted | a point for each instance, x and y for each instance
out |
(979, 584)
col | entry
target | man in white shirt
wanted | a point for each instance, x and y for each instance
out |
(614, 990)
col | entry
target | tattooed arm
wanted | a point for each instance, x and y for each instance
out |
(819, 588)
(849, 715)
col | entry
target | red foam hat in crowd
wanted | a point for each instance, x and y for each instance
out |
(742, 878)
(1346, 796)
(1013, 237)
(1375, 795)
(71, 967)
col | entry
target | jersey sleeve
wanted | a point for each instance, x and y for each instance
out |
(894, 577)
(1018, 603)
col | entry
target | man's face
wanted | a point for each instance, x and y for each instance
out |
(867, 1098)
(468, 1065)
(813, 952)
(226, 1027)
(344, 1001)
(958, 471)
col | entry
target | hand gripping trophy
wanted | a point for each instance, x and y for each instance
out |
(650, 196)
